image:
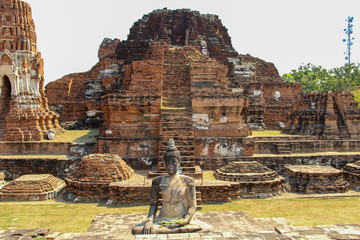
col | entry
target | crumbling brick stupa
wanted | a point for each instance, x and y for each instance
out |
(90, 180)
(177, 69)
(177, 28)
(24, 113)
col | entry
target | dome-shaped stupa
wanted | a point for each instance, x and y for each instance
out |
(255, 179)
(91, 179)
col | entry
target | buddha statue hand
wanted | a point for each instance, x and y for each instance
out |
(187, 219)
(148, 227)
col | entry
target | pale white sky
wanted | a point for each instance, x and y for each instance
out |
(285, 32)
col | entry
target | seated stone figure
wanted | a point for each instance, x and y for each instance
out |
(179, 200)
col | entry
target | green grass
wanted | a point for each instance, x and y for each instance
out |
(299, 212)
(59, 217)
(209, 175)
(269, 133)
(76, 136)
(66, 217)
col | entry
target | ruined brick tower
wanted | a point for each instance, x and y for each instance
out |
(24, 114)
(176, 76)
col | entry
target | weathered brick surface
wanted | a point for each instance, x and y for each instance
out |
(15, 167)
(307, 146)
(328, 115)
(32, 187)
(314, 179)
(14, 148)
(272, 99)
(107, 48)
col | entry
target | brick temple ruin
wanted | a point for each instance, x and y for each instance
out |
(176, 73)
(24, 113)
(176, 76)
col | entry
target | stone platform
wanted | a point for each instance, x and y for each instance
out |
(314, 179)
(352, 174)
(254, 179)
(32, 187)
(225, 225)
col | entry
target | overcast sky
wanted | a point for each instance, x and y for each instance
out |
(285, 32)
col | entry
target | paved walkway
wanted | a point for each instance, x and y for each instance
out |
(225, 225)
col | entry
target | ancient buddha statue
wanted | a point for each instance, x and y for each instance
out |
(179, 200)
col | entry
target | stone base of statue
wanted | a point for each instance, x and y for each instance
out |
(194, 226)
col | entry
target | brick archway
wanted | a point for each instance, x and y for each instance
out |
(5, 97)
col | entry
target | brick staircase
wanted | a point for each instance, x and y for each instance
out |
(177, 124)
(343, 129)
(283, 148)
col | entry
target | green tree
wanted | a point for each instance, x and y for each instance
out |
(316, 78)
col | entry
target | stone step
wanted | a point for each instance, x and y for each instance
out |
(283, 148)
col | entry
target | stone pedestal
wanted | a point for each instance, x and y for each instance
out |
(32, 188)
(314, 179)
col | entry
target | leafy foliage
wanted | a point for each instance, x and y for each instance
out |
(316, 78)
(357, 95)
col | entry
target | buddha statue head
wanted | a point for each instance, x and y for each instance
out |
(172, 158)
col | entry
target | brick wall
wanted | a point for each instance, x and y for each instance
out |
(14, 168)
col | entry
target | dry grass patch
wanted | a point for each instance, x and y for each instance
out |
(209, 175)
(269, 133)
(77, 136)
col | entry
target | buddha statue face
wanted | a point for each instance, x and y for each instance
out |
(172, 164)
(172, 158)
